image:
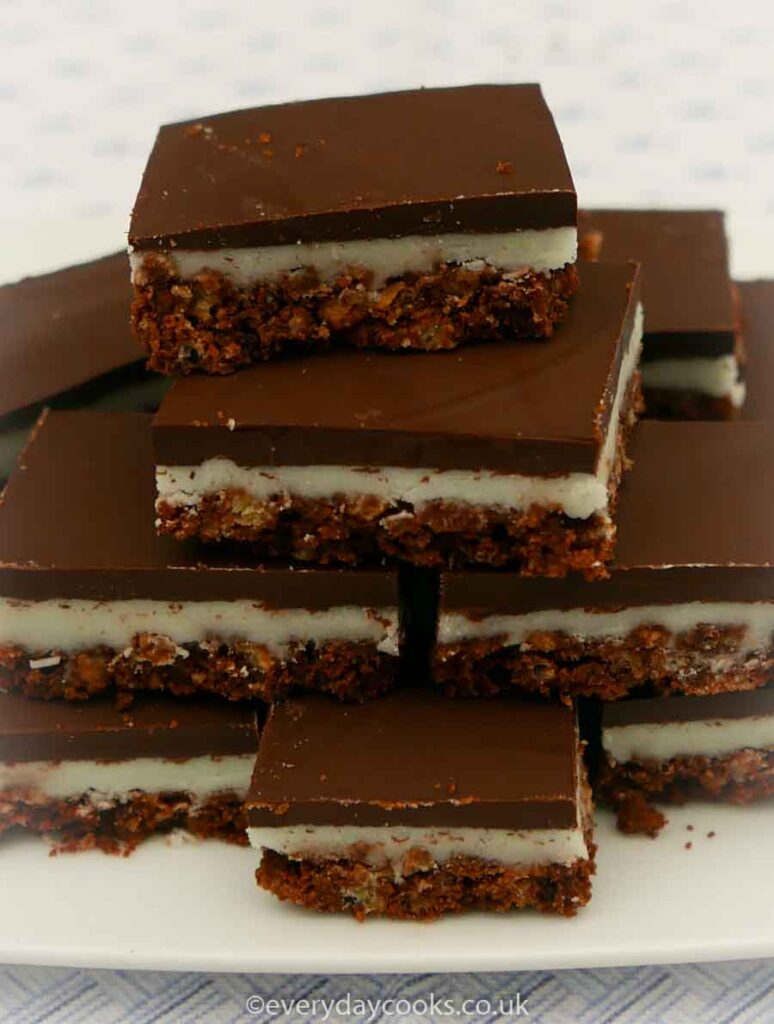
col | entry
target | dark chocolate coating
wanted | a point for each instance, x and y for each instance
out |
(533, 407)
(77, 521)
(483, 158)
(746, 704)
(694, 524)
(63, 329)
(39, 730)
(415, 757)
(757, 304)
(686, 287)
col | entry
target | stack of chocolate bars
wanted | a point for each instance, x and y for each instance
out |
(391, 524)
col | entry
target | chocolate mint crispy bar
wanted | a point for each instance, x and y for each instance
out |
(408, 220)
(692, 349)
(66, 342)
(413, 806)
(91, 599)
(688, 607)
(686, 748)
(88, 776)
(500, 455)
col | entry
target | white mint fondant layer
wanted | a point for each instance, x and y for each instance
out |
(199, 777)
(649, 741)
(757, 618)
(540, 250)
(717, 377)
(70, 625)
(388, 845)
(578, 495)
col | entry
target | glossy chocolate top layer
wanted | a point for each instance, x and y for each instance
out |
(746, 704)
(686, 287)
(694, 524)
(63, 329)
(482, 158)
(757, 305)
(534, 407)
(39, 730)
(77, 521)
(417, 758)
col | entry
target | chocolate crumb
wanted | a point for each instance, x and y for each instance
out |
(689, 828)
(635, 816)
(710, 835)
(504, 167)
(689, 846)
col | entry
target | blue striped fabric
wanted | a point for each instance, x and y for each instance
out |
(719, 993)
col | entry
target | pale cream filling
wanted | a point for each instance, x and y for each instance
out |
(389, 845)
(70, 625)
(660, 741)
(577, 495)
(540, 250)
(716, 376)
(108, 781)
(756, 618)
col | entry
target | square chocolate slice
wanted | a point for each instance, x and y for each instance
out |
(91, 599)
(66, 342)
(88, 775)
(692, 351)
(689, 604)
(406, 220)
(413, 806)
(500, 455)
(671, 750)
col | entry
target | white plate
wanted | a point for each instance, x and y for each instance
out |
(196, 907)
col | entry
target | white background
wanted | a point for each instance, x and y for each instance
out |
(659, 103)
